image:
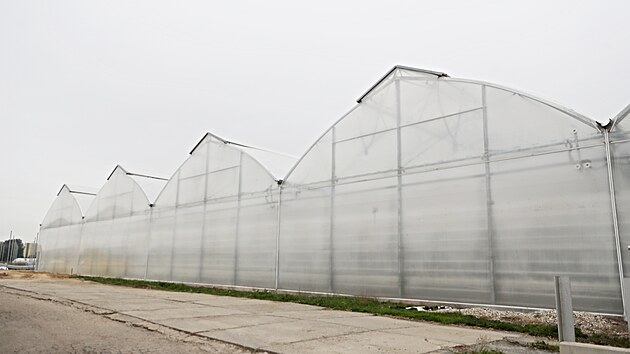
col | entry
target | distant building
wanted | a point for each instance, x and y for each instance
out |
(30, 250)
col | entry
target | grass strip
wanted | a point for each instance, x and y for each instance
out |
(368, 305)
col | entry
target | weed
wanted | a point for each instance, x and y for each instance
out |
(542, 345)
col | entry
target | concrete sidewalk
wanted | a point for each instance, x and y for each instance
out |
(254, 324)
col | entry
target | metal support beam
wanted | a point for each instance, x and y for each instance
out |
(489, 202)
(613, 204)
(399, 166)
(203, 216)
(238, 218)
(333, 182)
(278, 237)
(148, 244)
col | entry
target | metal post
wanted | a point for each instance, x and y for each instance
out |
(399, 166)
(78, 265)
(148, 243)
(613, 204)
(170, 274)
(489, 221)
(564, 308)
(278, 236)
(203, 216)
(331, 255)
(238, 217)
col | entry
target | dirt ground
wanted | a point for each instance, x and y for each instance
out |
(29, 274)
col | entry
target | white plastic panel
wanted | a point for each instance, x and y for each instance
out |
(552, 216)
(121, 196)
(431, 98)
(446, 250)
(621, 169)
(365, 238)
(519, 126)
(305, 239)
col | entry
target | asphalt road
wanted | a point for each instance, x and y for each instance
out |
(29, 325)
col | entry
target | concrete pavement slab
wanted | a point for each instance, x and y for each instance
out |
(319, 314)
(184, 311)
(260, 324)
(267, 335)
(371, 323)
(364, 342)
(204, 324)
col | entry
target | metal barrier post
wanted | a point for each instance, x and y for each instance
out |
(564, 308)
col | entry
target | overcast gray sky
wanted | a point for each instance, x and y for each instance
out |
(86, 85)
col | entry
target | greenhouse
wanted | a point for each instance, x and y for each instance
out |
(431, 188)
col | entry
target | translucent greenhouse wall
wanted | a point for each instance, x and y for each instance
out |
(431, 188)
(60, 234)
(115, 230)
(443, 189)
(215, 221)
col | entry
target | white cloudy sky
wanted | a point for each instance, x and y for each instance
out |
(86, 85)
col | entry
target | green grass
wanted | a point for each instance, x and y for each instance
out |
(541, 344)
(368, 305)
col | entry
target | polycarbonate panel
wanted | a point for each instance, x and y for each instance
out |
(518, 126)
(256, 240)
(161, 243)
(49, 250)
(376, 113)
(445, 241)
(305, 239)
(219, 243)
(551, 216)
(120, 197)
(117, 248)
(137, 245)
(621, 170)
(374, 153)
(316, 165)
(187, 243)
(365, 238)
(431, 98)
(452, 140)
(95, 247)
(64, 211)
(621, 131)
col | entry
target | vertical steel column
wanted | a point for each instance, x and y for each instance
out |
(489, 221)
(331, 256)
(147, 242)
(238, 216)
(170, 274)
(278, 235)
(613, 204)
(401, 259)
(78, 247)
(203, 215)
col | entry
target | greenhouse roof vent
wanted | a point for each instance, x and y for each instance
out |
(405, 68)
